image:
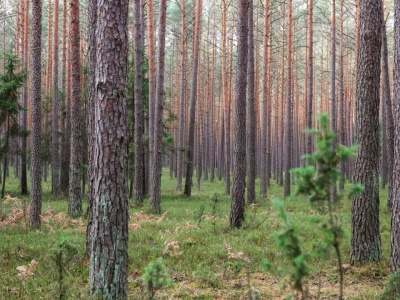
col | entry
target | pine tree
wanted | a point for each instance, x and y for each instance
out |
(36, 83)
(365, 236)
(109, 229)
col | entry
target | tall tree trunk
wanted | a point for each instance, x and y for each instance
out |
(342, 137)
(155, 190)
(289, 114)
(92, 63)
(152, 87)
(24, 139)
(310, 73)
(49, 48)
(239, 153)
(389, 115)
(36, 85)
(395, 232)
(54, 115)
(250, 112)
(65, 149)
(181, 129)
(212, 138)
(138, 193)
(109, 243)
(332, 94)
(192, 110)
(75, 171)
(365, 238)
(265, 137)
(226, 103)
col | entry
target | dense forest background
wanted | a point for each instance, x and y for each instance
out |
(124, 116)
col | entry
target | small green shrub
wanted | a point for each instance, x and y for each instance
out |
(317, 181)
(155, 277)
(291, 247)
(392, 288)
(62, 254)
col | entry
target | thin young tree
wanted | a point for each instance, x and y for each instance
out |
(192, 109)
(239, 153)
(36, 84)
(109, 241)
(75, 170)
(365, 236)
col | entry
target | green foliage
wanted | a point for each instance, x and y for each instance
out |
(316, 181)
(214, 203)
(322, 171)
(62, 253)
(155, 277)
(392, 288)
(19, 245)
(207, 276)
(291, 247)
(10, 83)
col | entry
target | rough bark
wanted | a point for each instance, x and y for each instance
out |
(389, 115)
(192, 110)
(365, 239)
(395, 232)
(152, 86)
(155, 189)
(65, 151)
(109, 243)
(250, 112)
(138, 189)
(75, 171)
(36, 84)
(92, 61)
(239, 153)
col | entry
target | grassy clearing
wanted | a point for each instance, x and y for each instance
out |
(205, 259)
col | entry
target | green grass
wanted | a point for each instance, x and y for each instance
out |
(199, 264)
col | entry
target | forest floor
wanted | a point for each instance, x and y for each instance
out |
(204, 258)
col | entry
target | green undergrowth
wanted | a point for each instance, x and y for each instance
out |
(204, 258)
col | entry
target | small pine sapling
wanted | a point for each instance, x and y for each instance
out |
(155, 277)
(291, 247)
(317, 179)
(62, 253)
